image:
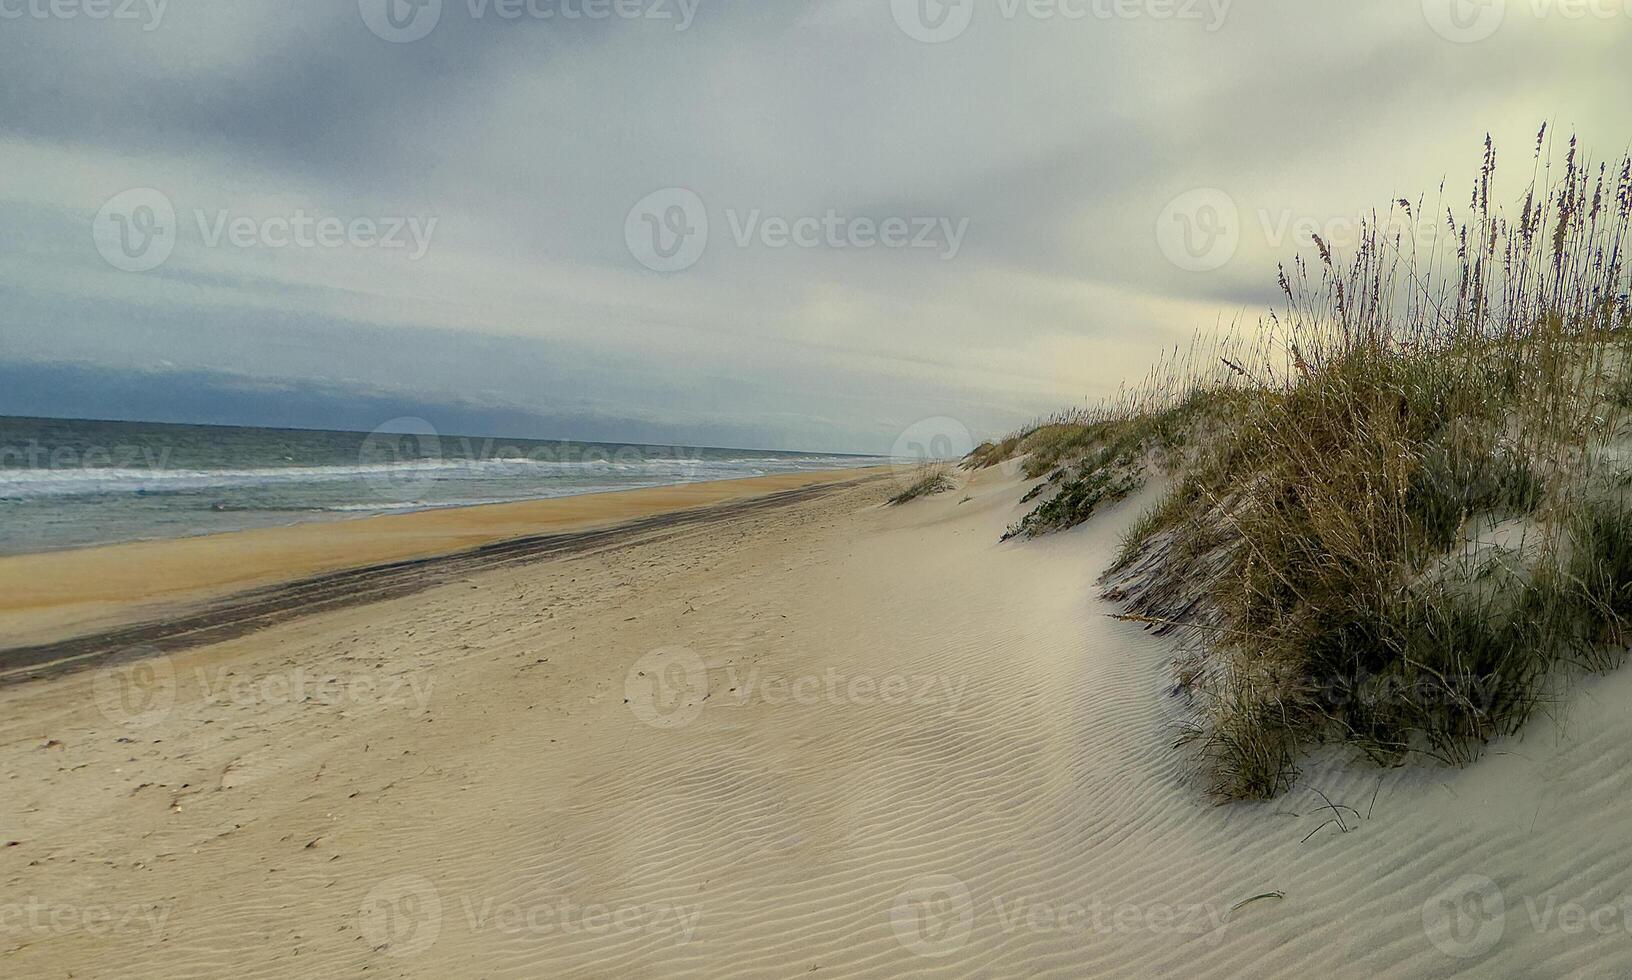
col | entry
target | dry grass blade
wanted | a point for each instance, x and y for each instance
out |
(1339, 479)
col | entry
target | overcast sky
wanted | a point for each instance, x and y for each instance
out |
(807, 224)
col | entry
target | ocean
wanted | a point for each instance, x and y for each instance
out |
(71, 483)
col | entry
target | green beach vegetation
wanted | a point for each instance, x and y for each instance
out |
(1397, 516)
(926, 481)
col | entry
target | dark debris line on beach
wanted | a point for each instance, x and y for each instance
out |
(246, 612)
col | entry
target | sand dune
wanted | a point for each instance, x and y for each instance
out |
(842, 739)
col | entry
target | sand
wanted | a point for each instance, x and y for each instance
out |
(45, 597)
(841, 739)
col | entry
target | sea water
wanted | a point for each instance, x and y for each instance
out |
(68, 483)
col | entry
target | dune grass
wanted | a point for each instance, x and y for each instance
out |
(1335, 477)
(928, 480)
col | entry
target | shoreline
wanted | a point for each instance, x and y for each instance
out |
(330, 516)
(52, 596)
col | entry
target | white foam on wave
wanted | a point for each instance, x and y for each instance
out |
(38, 483)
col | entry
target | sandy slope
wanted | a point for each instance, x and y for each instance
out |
(908, 751)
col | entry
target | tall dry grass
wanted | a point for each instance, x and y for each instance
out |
(1403, 399)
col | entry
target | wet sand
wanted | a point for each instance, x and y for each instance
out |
(47, 598)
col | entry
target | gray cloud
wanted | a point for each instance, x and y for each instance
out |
(1060, 142)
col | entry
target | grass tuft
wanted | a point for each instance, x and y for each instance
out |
(1394, 517)
(929, 480)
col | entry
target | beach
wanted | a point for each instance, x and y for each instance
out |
(53, 595)
(834, 737)
(623, 489)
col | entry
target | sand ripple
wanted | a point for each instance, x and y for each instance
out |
(976, 779)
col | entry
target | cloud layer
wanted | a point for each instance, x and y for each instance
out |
(1048, 141)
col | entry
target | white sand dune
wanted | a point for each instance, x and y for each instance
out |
(838, 740)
